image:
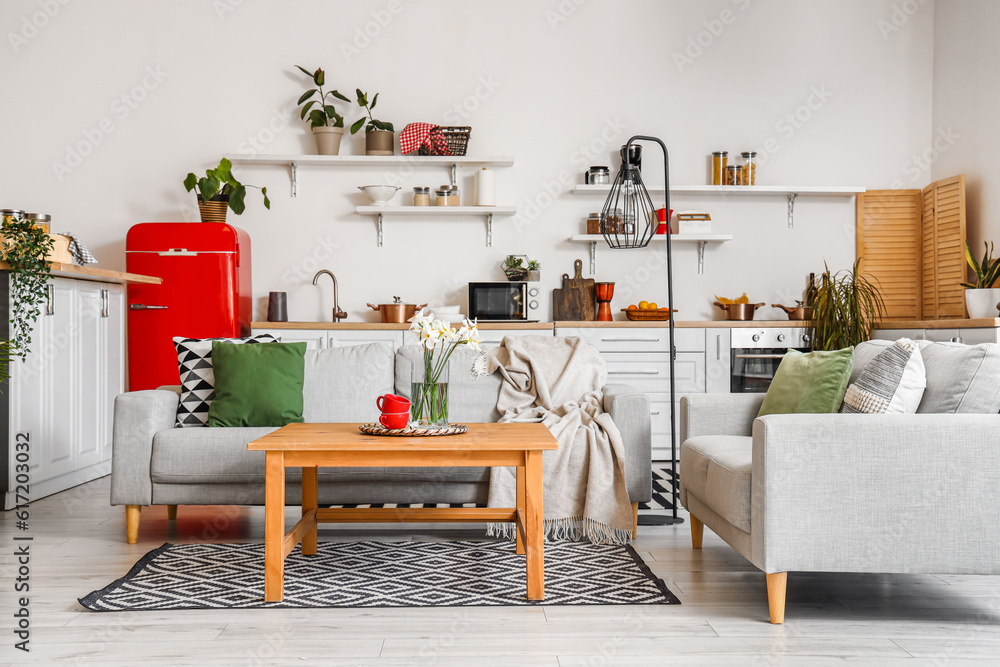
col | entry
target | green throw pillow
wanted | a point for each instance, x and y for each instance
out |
(257, 385)
(803, 383)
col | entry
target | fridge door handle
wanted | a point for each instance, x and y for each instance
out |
(142, 306)
(50, 299)
(178, 252)
(104, 303)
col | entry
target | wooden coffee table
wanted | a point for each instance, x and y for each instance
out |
(309, 446)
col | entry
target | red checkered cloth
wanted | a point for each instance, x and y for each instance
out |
(417, 135)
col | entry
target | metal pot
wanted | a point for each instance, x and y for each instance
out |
(739, 311)
(396, 312)
(800, 311)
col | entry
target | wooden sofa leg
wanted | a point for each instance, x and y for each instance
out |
(171, 512)
(776, 596)
(697, 532)
(635, 520)
(132, 523)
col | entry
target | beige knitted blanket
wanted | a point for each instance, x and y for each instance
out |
(559, 382)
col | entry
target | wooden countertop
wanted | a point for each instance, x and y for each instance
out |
(680, 324)
(92, 273)
(375, 326)
(984, 323)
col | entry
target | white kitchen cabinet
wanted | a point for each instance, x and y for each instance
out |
(61, 398)
(314, 339)
(350, 337)
(718, 362)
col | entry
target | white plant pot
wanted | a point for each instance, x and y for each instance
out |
(982, 303)
(328, 139)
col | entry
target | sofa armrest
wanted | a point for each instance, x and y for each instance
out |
(629, 410)
(718, 414)
(139, 415)
(876, 493)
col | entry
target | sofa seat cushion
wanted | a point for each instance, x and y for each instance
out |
(717, 469)
(220, 456)
(342, 383)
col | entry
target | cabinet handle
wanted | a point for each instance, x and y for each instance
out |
(104, 303)
(633, 372)
(630, 340)
(142, 306)
(718, 348)
(654, 412)
(50, 299)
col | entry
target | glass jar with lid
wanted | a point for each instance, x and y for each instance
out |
(598, 176)
(748, 168)
(732, 175)
(421, 196)
(42, 220)
(720, 160)
(10, 215)
(447, 195)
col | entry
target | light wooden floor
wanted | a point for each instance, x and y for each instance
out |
(832, 619)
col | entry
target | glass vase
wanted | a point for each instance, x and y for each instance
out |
(429, 392)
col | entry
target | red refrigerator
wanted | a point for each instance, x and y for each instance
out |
(206, 293)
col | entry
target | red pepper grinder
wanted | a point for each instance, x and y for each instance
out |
(605, 292)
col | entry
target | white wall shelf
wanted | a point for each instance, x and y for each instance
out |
(293, 162)
(701, 239)
(790, 192)
(437, 212)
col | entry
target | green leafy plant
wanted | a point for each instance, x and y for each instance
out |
(513, 267)
(846, 306)
(6, 354)
(373, 123)
(534, 265)
(987, 272)
(320, 113)
(25, 249)
(220, 184)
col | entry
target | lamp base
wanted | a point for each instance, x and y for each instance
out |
(659, 520)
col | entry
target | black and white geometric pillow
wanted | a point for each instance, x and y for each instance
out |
(892, 383)
(194, 361)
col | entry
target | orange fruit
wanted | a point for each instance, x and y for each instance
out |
(633, 307)
(652, 305)
(664, 308)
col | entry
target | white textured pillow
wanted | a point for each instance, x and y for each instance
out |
(892, 383)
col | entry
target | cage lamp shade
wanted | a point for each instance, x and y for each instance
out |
(628, 219)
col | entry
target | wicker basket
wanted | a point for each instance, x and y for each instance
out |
(640, 315)
(457, 137)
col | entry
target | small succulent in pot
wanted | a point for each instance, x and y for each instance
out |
(513, 267)
(534, 271)
(327, 124)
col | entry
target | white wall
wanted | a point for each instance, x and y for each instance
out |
(966, 102)
(565, 78)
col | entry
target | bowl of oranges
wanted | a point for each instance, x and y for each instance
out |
(647, 311)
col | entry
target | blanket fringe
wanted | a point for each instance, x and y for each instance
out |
(571, 529)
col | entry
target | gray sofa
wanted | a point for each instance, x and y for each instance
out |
(154, 463)
(913, 493)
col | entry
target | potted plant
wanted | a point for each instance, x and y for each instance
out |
(981, 297)
(846, 306)
(513, 267)
(379, 133)
(25, 249)
(534, 271)
(327, 124)
(219, 189)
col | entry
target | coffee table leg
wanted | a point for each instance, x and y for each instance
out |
(535, 527)
(522, 512)
(274, 527)
(310, 486)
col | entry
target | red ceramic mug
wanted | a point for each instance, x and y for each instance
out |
(394, 419)
(393, 403)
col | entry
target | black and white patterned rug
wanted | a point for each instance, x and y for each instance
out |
(381, 574)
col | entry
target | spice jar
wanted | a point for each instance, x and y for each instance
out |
(612, 222)
(720, 160)
(732, 174)
(594, 223)
(446, 195)
(597, 176)
(42, 220)
(11, 215)
(421, 196)
(748, 168)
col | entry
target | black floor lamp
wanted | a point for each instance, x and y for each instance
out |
(628, 220)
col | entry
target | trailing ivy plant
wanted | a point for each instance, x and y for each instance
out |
(846, 306)
(373, 123)
(220, 182)
(25, 249)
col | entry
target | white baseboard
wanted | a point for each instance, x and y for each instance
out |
(61, 483)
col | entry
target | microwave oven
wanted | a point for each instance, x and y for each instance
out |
(504, 301)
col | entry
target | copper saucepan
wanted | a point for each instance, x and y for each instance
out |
(739, 311)
(396, 312)
(800, 311)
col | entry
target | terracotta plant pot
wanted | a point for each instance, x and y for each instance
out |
(213, 210)
(379, 142)
(328, 139)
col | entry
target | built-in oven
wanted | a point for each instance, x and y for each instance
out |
(756, 353)
(504, 301)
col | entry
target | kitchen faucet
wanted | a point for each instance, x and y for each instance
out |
(338, 314)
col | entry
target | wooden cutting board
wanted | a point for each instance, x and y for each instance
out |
(576, 300)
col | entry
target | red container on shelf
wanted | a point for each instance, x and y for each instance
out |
(664, 219)
(206, 293)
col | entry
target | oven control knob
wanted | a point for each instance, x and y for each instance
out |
(781, 338)
(533, 305)
(756, 338)
(533, 292)
(805, 338)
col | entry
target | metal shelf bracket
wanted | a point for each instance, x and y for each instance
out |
(489, 230)
(379, 223)
(701, 256)
(593, 257)
(454, 174)
(293, 168)
(791, 209)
